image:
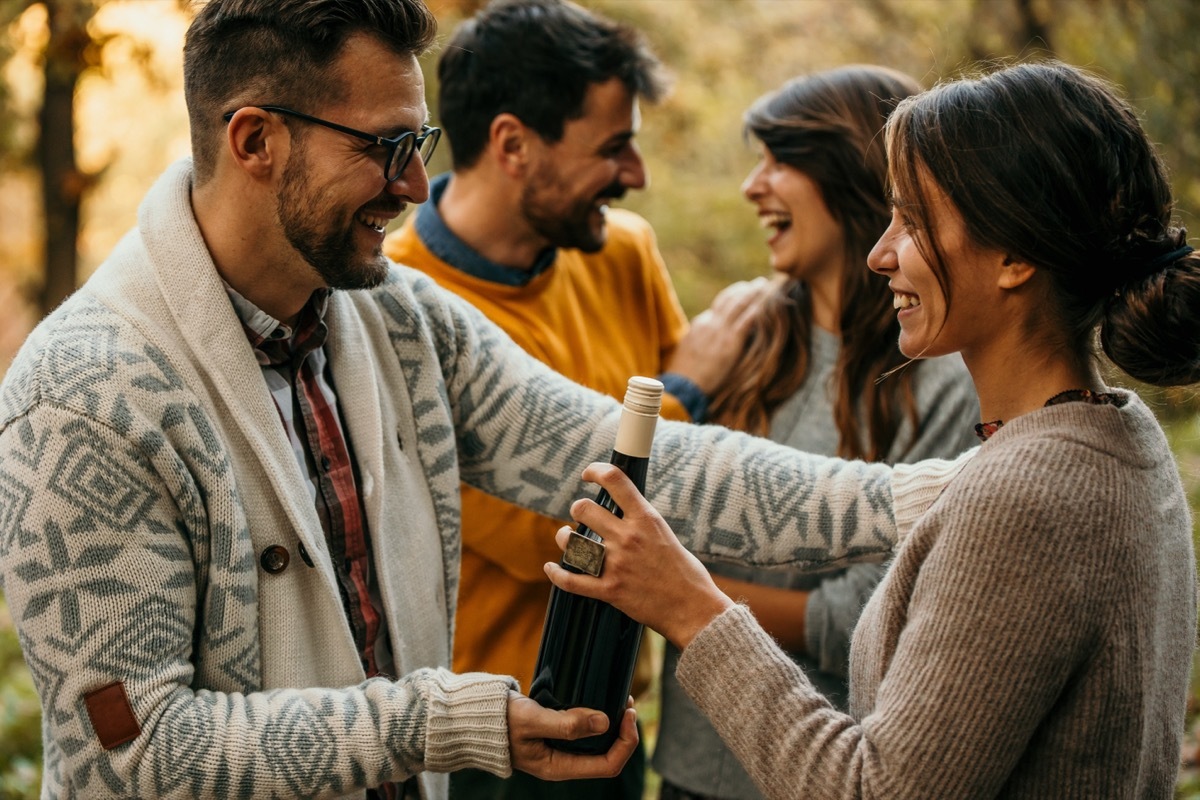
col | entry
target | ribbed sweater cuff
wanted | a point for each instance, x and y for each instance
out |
(916, 486)
(468, 723)
(724, 641)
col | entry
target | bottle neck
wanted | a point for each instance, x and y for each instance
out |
(635, 434)
(636, 467)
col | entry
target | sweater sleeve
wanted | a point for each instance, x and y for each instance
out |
(973, 674)
(526, 433)
(115, 567)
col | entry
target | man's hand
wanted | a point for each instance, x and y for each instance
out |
(717, 336)
(529, 725)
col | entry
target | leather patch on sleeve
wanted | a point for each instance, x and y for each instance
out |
(112, 716)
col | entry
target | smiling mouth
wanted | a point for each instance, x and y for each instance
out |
(376, 223)
(902, 301)
(775, 220)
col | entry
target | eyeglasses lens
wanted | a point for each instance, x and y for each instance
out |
(423, 144)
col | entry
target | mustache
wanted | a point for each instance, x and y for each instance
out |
(385, 205)
(614, 191)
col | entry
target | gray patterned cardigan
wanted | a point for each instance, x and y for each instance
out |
(143, 471)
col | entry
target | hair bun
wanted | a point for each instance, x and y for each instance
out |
(1151, 328)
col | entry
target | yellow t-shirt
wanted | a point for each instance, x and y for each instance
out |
(597, 318)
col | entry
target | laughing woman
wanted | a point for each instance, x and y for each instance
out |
(808, 378)
(1034, 634)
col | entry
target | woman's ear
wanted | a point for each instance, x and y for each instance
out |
(1014, 272)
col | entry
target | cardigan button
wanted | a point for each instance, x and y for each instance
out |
(275, 559)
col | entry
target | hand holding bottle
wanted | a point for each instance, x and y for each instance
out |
(588, 651)
(647, 573)
(530, 725)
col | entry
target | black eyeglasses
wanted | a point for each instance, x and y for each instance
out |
(399, 150)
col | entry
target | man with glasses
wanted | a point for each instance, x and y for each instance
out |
(229, 464)
(524, 229)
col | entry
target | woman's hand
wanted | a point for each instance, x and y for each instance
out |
(647, 573)
(716, 337)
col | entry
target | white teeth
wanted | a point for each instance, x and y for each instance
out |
(905, 301)
(378, 223)
(774, 219)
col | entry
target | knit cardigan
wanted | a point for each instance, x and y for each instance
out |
(144, 472)
(1032, 638)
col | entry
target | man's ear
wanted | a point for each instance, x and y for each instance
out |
(510, 144)
(1014, 272)
(258, 142)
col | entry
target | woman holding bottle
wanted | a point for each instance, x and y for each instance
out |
(810, 378)
(1034, 632)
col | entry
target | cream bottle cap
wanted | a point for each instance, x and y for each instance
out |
(643, 401)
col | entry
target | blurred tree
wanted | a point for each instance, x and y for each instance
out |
(69, 52)
(71, 49)
(9, 10)
(1000, 29)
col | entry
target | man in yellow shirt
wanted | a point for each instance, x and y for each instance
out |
(539, 102)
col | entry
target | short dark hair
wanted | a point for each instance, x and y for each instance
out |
(240, 52)
(534, 59)
(1047, 163)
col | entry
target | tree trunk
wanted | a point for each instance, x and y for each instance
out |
(62, 183)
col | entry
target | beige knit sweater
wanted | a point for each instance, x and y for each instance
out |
(1032, 639)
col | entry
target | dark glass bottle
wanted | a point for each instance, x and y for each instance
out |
(589, 649)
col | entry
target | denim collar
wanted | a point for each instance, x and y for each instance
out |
(442, 242)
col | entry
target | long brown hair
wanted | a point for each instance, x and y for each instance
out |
(829, 126)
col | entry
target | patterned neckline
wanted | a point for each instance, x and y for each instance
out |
(985, 430)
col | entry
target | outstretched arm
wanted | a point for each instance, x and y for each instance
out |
(971, 673)
(525, 433)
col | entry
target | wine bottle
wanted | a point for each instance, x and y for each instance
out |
(589, 649)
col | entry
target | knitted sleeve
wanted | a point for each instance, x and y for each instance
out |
(977, 668)
(131, 583)
(526, 433)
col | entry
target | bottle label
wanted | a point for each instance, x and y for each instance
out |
(635, 434)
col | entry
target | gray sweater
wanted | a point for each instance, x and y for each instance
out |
(1032, 638)
(688, 752)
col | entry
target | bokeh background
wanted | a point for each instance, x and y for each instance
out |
(91, 110)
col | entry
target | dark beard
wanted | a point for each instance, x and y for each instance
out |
(330, 252)
(570, 229)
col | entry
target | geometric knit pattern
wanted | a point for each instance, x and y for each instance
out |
(504, 547)
(136, 485)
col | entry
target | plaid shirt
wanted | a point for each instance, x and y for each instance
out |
(296, 371)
